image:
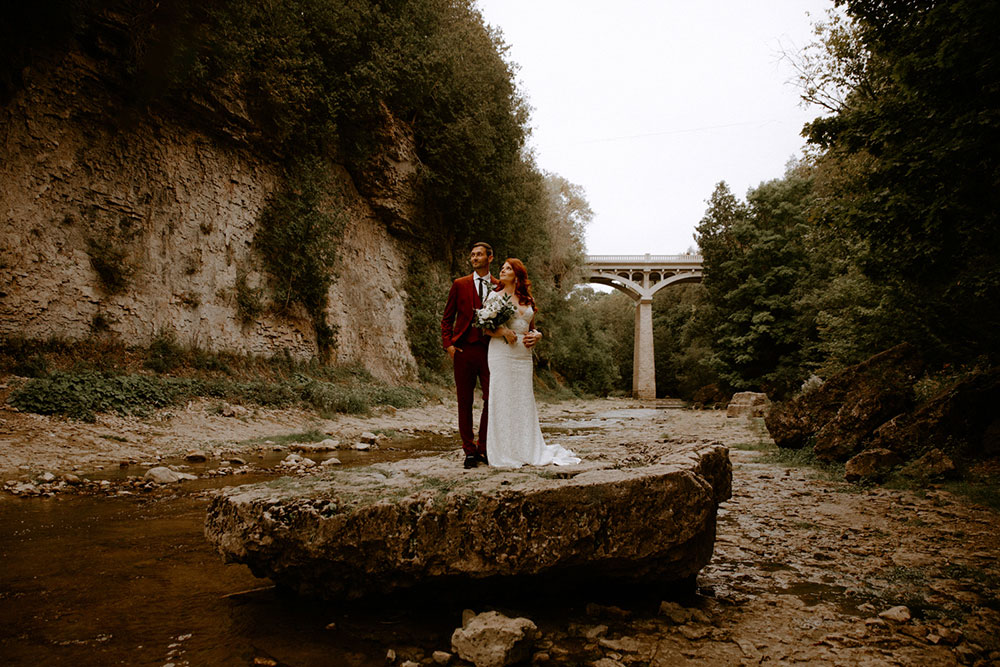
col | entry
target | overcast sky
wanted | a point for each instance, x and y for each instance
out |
(647, 104)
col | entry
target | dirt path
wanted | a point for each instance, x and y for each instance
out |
(803, 566)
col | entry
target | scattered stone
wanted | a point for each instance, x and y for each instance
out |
(622, 645)
(162, 475)
(234, 410)
(441, 657)
(332, 461)
(369, 438)
(677, 614)
(410, 663)
(964, 414)
(594, 609)
(898, 614)
(605, 662)
(390, 656)
(46, 477)
(72, 479)
(494, 640)
(695, 632)
(22, 488)
(871, 464)
(935, 464)
(595, 631)
(842, 414)
(748, 404)
(315, 447)
(916, 631)
(237, 461)
(195, 456)
(949, 636)
(331, 626)
(363, 446)
(540, 658)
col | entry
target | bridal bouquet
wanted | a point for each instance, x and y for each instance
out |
(494, 313)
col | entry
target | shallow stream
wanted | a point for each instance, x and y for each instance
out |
(98, 580)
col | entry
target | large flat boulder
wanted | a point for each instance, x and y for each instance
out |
(648, 517)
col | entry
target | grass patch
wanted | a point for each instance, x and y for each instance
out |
(758, 446)
(804, 458)
(971, 573)
(979, 491)
(312, 435)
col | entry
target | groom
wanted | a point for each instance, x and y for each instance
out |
(466, 345)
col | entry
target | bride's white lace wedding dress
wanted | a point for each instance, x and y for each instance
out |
(513, 436)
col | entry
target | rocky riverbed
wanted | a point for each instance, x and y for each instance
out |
(805, 569)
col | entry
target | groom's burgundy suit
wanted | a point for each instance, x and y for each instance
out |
(470, 363)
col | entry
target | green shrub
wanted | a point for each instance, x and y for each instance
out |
(109, 259)
(164, 354)
(249, 304)
(426, 293)
(82, 395)
(297, 239)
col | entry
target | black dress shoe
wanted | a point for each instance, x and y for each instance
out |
(482, 457)
(471, 461)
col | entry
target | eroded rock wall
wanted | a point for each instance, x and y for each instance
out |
(81, 170)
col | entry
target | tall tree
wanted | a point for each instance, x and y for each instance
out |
(757, 271)
(917, 171)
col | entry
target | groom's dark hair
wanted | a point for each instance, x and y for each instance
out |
(482, 244)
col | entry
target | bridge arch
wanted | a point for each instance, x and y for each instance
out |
(642, 276)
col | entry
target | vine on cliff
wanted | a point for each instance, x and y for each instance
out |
(297, 239)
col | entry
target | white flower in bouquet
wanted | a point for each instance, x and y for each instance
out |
(497, 310)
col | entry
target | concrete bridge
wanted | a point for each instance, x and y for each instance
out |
(642, 276)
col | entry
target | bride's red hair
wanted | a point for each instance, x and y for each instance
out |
(522, 286)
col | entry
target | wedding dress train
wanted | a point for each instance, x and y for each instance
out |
(513, 436)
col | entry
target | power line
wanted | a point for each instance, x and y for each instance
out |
(683, 131)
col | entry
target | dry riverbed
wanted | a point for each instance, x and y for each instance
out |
(806, 570)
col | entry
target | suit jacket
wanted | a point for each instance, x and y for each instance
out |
(456, 324)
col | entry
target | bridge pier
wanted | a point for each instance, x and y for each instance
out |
(642, 276)
(643, 364)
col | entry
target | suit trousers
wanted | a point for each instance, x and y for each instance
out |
(470, 364)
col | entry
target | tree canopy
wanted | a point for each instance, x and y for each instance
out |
(911, 169)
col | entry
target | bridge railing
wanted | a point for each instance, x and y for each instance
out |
(642, 259)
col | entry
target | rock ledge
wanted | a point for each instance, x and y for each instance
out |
(348, 533)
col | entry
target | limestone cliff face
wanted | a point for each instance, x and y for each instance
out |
(81, 172)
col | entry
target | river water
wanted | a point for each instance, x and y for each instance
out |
(93, 580)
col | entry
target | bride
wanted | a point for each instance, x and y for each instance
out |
(513, 435)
